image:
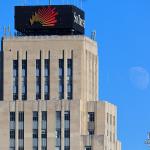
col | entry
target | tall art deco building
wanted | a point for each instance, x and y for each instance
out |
(49, 85)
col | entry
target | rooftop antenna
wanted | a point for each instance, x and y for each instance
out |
(4, 30)
(93, 35)
(9, 30)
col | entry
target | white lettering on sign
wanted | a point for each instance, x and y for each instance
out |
(78, 20)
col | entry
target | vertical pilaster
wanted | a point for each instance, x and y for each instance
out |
(88, 65)
(16, 137)
(39, 125)
(31, 75)
(42, 75)
(65, 74)
(93, 78)
(8, 75)
(54, 75)
(19, 75)
(51, 126)
(97, 81)
(62, 126)
(28, 125)
(49, 57)
(94, 67)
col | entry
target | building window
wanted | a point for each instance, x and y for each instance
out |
(21, 131)
(35, 130)
(91, 131)
(67, 130)
(91, 116)
(47, 77)
(58, 148)
(61, 78)
(24, 79)
(44, 130)
(38, 79)
(91, 124)
(110, 119)
(15, 79)
(67, 148)
(114, 120)
(58, 130)
(12, 130)
(88, 148)
(69, 78)
(110, 136)
(107, 117)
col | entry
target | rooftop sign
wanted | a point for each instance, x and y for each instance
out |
(49, 20)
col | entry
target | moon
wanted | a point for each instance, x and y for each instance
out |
(139, 77)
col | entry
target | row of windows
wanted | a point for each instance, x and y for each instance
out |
(91, 124)
(46, 79)
(66, 130)
(111, 136)
(44, 130)
(35, 130)
(111, 119)
(20, 130)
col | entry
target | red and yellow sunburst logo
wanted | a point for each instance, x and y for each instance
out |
(46, 16)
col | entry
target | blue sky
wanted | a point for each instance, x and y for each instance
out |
(123, 36)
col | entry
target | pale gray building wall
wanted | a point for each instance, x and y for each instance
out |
(1, 75)
(83, 51)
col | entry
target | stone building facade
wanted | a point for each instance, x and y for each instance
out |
(49, 96)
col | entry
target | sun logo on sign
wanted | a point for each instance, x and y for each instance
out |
(46, 16)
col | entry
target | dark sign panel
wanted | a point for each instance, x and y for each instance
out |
(54, 19)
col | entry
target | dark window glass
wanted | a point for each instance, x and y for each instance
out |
(67, 133)
(88, 148)
(46, 90)
(44, 135)
(21, 130)
(38, 79)
(35, 133)
(67, 115)
(15, 79)
(61, 79)
(67, 129)
(69, 78)
(12, 134)
(58, 115)
(24, 79)
(12, 116)
(21, 116)
(35, 130)
(67, 148)
(35, 116)
(91, 132)
(21, 134)
(58, 130)
(91, 116)
(44, 130)
(58, 133)
(44, 115)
